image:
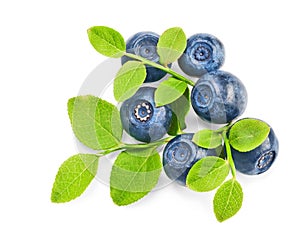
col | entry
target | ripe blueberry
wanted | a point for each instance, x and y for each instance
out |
(180, 154)
(144, 44)
(204, 53)
(258, 160)
(141, 119)
(219, 97)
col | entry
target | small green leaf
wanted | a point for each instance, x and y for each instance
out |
(228, 200)
(247, 134)
(208, 139)
(132, 177)
(174, 128)
(73, 177)
(168, 91)
(71, 102)
(96, 123)
(207, 174)
(128, 80)
(107, 41)
(171, 45)
(180, 109)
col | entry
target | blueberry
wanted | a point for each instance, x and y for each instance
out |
(141, 119)
(180, 154)
(258, 160)
(204, 53)
(219, 97)
(144, 44)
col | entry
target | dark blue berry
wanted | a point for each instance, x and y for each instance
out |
(204, 53)
(141, 119)
(180, 154)
(258, 160)
(219, 97)
(144, 44)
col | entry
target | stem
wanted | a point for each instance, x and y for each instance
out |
(228, 152)
(161, 67)
(108, 151)
(224, 128)
(135, 146)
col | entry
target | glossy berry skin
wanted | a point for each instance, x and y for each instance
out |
(204, 53)
(219, 97)
(179, 156)
(141, 119)
(258, 160)
(144, 44)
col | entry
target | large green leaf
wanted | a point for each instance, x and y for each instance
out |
(95, 122)
(73, 177)
(168, 91)
(228, 200)
(207, 174)
(247, 134)
(171, 45)
(133, 177)
(107, 41)
(128, 80)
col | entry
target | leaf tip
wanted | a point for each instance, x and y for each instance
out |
(220, 219)
(89, 31)
(54, 197)
(158, 104)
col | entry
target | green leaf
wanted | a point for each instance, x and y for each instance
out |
(133, 177)
(247, 134)
(96, 123)
(107, 41)
(175, 126)
(228, 200)
(73, 177)
(180, 109)
(171, 45)
(129, 79)
(71, 102)
(139, 151)
(207, 174)
(168, 91)
(208, 139)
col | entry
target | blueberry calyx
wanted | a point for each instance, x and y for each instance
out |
(204, 53)
(141, 119)
(143, 111)
(266, 159)
(201, 53)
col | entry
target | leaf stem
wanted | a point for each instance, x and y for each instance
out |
(224, 128)
(108, 151)
(161, 67)
(125, 146)
(228, 153)
(148, 145)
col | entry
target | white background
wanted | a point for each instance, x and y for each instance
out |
(45, 57)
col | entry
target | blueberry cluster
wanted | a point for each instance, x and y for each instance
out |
(150, 110)
(217, 97)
